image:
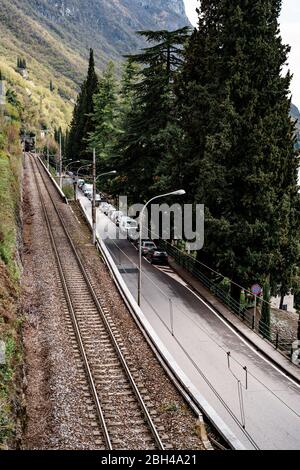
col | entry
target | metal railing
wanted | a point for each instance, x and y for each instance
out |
(248, 311)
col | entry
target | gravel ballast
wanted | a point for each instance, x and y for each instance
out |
(57, 413)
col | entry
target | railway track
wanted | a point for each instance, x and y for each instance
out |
(124, 415)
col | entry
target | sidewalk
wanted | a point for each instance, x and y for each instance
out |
(262, 346)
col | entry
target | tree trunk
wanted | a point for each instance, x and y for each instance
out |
(281, 301)
(235, 292)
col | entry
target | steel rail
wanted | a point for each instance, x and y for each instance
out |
(122, 359)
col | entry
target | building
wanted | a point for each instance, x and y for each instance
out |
(288, 303)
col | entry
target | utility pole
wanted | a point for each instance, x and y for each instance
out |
(48, 156)
(94, 197)
(60, 163)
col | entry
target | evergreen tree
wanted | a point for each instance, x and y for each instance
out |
(105, 117)
(235, 108)
(143, 144)
(82, 124)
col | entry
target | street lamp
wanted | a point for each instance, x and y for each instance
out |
(181, 192)
(72, 163)
(95, 178)
(82, 168)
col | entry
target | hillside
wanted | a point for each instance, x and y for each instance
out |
(54, 36)
(295, 113)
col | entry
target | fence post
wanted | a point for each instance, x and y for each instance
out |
(277, 340)
(253, 322)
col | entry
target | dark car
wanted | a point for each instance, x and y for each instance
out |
(147, 245)
(158, 256)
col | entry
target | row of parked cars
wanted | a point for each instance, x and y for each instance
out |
(127, 225)
(87, 190)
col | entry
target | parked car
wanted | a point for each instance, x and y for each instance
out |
(158, 256)
(87, 188)
(128, 226)
(104, 206)
(111, 211)
(116, 217)
(107, 209)
(98, 200)
(148, 245)
(80, 183)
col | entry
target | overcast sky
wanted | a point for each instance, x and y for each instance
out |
(290, 28)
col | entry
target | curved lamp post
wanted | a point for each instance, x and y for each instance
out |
(95, 179)
(181, 192)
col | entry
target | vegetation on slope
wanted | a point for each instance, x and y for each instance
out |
(10, 181)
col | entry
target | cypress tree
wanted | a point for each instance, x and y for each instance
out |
(241, 141)
(91, 89)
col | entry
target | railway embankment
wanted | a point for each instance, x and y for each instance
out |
(11, 370)
(68, 353)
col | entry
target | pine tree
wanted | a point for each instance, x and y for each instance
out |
(240, 140)
(143, 144)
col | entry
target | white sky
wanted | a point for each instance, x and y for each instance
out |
(290, 29)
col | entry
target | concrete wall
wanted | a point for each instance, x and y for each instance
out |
(289, 302)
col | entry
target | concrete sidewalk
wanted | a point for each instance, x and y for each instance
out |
(264, 347)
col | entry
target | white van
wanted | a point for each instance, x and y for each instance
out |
(129, 226)
(87, 189)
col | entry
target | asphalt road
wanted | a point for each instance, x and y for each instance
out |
(263, 413)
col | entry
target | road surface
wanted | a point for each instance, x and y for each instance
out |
(262, 410)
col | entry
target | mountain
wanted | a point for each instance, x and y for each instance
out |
(295, 114)
(54, 36)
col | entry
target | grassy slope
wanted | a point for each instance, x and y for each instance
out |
(10, 177)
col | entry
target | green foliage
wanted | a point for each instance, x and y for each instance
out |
(9, 202)
(239, 143)
(147, 142)
(105, 117)
(21, 63)
(82, 124)
(68, 190)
